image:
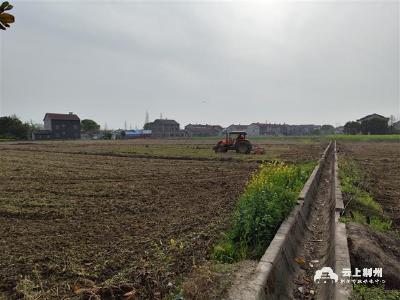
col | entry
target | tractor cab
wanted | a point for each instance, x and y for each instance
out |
(234, 140)
(235, 136)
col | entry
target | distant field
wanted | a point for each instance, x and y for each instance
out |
(286, 150)
(367, 138)
(339, 137)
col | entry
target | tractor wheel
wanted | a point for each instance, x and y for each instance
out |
(221, 148)
(243, 147)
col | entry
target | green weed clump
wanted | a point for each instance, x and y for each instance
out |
(360, 205)
(361, 292)
(267, 200)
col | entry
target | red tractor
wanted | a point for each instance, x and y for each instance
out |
(234, 140)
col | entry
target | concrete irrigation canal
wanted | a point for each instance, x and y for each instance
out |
(310, 239)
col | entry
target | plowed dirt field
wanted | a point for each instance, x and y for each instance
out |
(381, 163)
(78, 225)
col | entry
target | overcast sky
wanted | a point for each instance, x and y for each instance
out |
(196, 62)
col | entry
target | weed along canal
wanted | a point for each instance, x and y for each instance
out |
(308, 246)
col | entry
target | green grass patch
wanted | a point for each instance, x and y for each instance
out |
(376, 223)
(360, 205)
(268, 199)
(363, 292)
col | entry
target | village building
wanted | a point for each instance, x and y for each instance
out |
(164, 128)
(92, 135)
(259, 129)
(339, 130)
(371, 117)
(59, 126)
(41, 135)
(306, 129)
(268, 129)
(374, 124)
(203, 130)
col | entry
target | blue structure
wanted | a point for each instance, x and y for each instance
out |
(132, 134)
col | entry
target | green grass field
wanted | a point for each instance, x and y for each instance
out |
(366, 138)
(316, 138)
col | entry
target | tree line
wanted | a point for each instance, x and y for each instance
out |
(11, 127)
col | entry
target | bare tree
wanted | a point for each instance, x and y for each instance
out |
(5, 18)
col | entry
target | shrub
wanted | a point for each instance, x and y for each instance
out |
(267, 200)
